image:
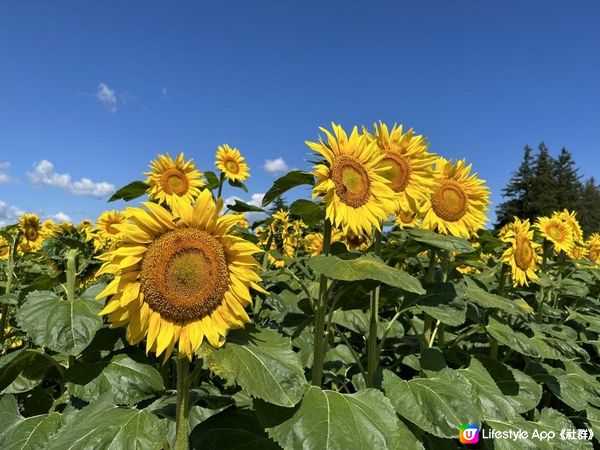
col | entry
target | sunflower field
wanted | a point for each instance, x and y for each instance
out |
(378, 313)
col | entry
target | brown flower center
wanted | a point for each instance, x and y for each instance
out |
(352, 184)
(232, 166)
(173, 181)
(523, 253)
(184, 275)
(555, 233)
(449, 201)
(398, 172)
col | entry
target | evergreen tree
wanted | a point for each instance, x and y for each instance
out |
(543, 187)
(518, 192)
(568, 184)
(589, 211)
(278, 204)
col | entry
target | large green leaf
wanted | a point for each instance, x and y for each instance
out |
(60, 325)
(104, 425)
(441, 302)
(25, 364)
(364, 268)
(241, 207)
(308, 211)
(486, 299)
(262, 362)
(20, 433)
(437, 404)
(522, 391)
(287, 182)
(130, 192)
(330, 420)
(450, 243)
(127, 381)
(232, 429)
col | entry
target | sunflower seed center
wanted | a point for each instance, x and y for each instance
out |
(173, 181)
(523, 253)
(449, 201)
(398, 172)
(352, 184)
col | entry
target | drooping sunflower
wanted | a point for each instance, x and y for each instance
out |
(105, 225)
(458, 202)
(32, 235)
(523, 253)
(409, 164)
(180, 276)
(351, 180)
(231, 162)
(172, 180)
(556, 231)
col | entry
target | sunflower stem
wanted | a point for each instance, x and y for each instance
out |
(372, 349)
(181, 424)
(10, 271)
(71, 273)
(319, 341)
(221, 182)
(542, 294)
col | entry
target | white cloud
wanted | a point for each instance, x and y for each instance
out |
(60, 217)
(4, 176)
(164, 93)
(255, 200)
(108, 97)
(9, 214)
(275, 166)
(44, 175)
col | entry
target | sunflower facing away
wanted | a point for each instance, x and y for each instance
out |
(172, 180)
(179, 277)
(231, 163)
(408, 164)
(32, 233)
(458, 202)
(556, 231)
(523, 253)
(351, 180)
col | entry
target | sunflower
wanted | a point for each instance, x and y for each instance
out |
(4, 248)
(593, 245)
(523, 253)
(105, 225)
(351, 180)
(180, 277)
(408, 164)
(570, 218)
(313, 243)
(556, 231)
(32, 232)
(458, 202)
(173, 180)
(231, 163)
(407, 218)
(356, 241)
(579, 251)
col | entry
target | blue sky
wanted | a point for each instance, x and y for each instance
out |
(94, 90)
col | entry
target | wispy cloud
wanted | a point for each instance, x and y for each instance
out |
(164, 93)
(108, 97)
(60, 217)
(255, 200)
(4, 176)
(275, 166)
(44, 175)
(9, 214)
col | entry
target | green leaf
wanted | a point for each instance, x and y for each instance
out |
(130, 191)
(104, 425)
(238, 184)
(241, 207)
(262, 362)
(60, 325)
(287, 182)
(9, 299)
(364, 268)
(450, 243)
(127, 381)
(212, 180)
(438, 405)
(308, 211)
(330, 420)
(522, 391)
(20, 433)
(442, 303)
(488, 300)
(24, 364)
(232, 429)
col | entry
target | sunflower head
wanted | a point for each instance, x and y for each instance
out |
(351, 181)
(522, 254)
(579, 251)
(570, 218)
(407, 164)
(407, 218)
(179, 277)
(458, 202)
(105, 225)
(29, 225)
(556, 231)
(4, 248)
(313, 243)
(593, 245)
(231, 163)
(173, 180)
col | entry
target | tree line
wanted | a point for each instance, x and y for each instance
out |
(543, 184)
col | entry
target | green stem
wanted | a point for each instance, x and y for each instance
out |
(221, 182)
(319, 339)
(10, 271)
(542, 293)
(71, 274)
(428, 320)
(434, 333)
(181, 424)
(372, 349)
(265, 262)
